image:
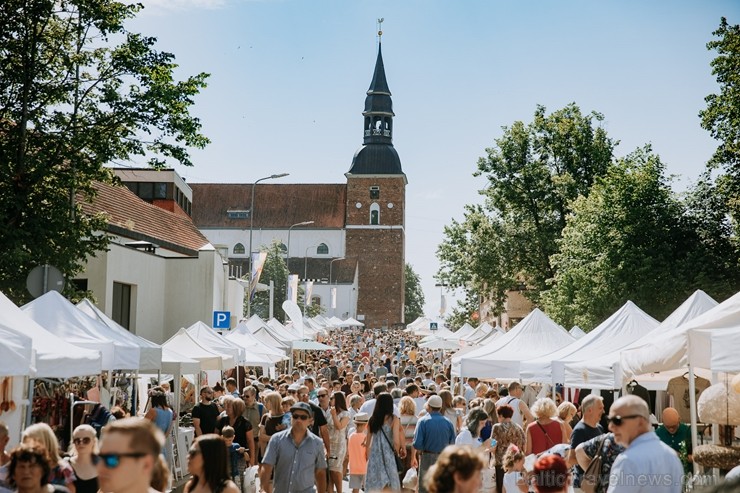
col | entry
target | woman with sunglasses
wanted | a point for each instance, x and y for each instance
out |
(83, 457)
(208, 463)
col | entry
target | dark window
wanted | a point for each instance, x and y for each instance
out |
(374, 193)
(315, 300)
(322, 249)
(160, 190)
(146, 191)
(80, 284)
(122, 304)
(133, 186)
(239, 249)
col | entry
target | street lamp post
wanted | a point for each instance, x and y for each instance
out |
(330, 266)
(251, 230)
(287, 256)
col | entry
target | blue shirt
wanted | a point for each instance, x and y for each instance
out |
(433, 433)
(295, 466)
(647, 465)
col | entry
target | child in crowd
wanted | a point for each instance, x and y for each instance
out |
(287, 403)
(514, 479)
(238, 455)
(358, 453)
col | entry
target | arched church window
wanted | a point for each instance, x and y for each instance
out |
(374, 213)
(322, 249)
(239, 249)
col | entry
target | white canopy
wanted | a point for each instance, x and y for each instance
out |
(310, 346)
(351, 322)
(439, 343)
(577, 332)
(716, 350)
(187, 345)
(258, 352)
(282, 332)
(336, 321)
(626, 325)
(150, 354)
(535, 335)
(216, 342)
(480, 333)
(55, 358)
(496, 332)
(463, 331)
(57, 315)
(266, 336)
(418, 323)
(670, 352)
(442, 332)
(176, 363)
(16, 353)
(604, 371)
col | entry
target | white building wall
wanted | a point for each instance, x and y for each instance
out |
(167, 293)
(302, 240)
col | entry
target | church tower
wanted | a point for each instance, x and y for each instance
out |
(376, 204)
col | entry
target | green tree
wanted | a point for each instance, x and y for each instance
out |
(414, 295)
(626, 240)
(464, 311)
(722, 115)
(534, 174)
(77, 91)
(276, 271)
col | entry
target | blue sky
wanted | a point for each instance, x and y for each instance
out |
(288, 81)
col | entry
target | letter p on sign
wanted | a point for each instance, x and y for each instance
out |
(221, 320)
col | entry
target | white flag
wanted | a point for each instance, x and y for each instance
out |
(258, 261)
(333, 298)
(307, 293)
(442, 305)
(292, 294)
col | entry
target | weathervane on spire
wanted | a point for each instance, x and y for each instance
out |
(380, 28)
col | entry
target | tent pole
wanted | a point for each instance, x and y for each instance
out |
(692, 410)
(29, 407)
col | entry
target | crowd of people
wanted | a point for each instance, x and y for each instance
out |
(378, 413)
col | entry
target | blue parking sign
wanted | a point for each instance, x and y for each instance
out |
(221, 320)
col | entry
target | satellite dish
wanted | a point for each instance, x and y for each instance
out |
(44, 278)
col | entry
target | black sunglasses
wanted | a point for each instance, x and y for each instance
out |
(83, 440)
(302, 417)
(617, 420)
(322, 395)
(112, 461)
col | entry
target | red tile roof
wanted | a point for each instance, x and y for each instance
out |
(130, 216)
(276, 206)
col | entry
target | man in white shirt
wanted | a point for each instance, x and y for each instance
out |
(514, 399)
(647, 465)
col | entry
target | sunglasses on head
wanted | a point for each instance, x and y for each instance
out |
(111, 461)
(302, 417)
(82, 440)
(617, 420)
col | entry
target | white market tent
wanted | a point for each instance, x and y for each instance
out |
(536, 335)
(576, 332)
(441, 332)
(418, 323)
(257, 350)
(480, 333)
(487, 338)
(715, 350)
(604, 371)
(266, 336)
(336, 321)
(624, 326)
(282, 332)
(187, 345)
(208, 338)
(311, 346)
(463, 331)
(670, 352)
(16, 353)
(54, 358)
(351, 322)
(177, 364)
(150, 354)
(57, 315)
(439, 343)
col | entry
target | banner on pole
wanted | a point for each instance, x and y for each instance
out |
(333, 298)
(307, 293)
(292, 294)
(258, 262)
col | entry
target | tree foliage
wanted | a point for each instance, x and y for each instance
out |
(722, 115)
(632, 238)
(414, 295)
(77, 91)
(464, 311)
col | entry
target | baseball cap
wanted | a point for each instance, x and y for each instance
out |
(435, 402)
(294, 387)
(362, 418)
(302, 406)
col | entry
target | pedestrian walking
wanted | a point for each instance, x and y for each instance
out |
(433, 433)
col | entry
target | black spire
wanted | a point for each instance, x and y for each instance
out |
(377, 155)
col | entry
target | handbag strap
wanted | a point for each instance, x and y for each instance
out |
(389, 441)
(545, 432)
(598, 450)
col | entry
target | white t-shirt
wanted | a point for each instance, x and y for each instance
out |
(514, 403)
(510, 479)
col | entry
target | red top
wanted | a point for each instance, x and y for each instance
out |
(540, 442)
